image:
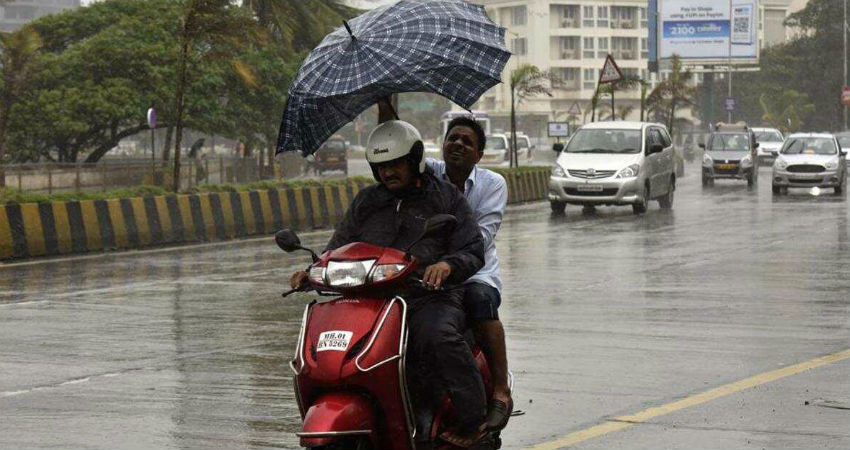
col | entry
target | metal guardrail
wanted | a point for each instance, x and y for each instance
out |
(111, 174)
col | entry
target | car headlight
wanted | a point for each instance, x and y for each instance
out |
(780, 164)
(747, 160)
(384, 272)
(558, 171)
(348, 273)
(831, 165)
(629, 172)
(706, 160)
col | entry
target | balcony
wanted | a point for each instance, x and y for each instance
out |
(570, 23)
(566, 85)
(624, 24)
(624, 55)
(570, 54)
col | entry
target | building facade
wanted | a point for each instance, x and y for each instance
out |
(15, 14)
(571, 38)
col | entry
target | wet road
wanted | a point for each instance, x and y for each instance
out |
(607, 315)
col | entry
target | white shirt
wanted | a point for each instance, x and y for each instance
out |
(487, 195)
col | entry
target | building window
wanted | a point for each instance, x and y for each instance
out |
(603, 47)
(566, 78)
(644, 48)
(588, 16)
(519, 15)
(643, 22)
(588, 47)
(602, 21)
(590, 78)
(518, 47)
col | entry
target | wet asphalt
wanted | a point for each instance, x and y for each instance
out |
(607, 314)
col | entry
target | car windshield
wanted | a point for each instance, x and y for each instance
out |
(809, 146)
(522, 142)
(730, 142)
(768, 136)
(605, 141)
(494, 143)
(844, 141)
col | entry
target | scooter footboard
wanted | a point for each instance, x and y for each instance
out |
(336, 416)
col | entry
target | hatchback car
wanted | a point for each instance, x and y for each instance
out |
(615, 163)
(730, 153)
(770, 141)
(808, 160)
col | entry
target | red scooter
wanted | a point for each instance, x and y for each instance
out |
(349, 362)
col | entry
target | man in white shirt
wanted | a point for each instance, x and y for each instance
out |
(487, 195)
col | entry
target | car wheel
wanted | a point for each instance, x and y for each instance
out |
(666, 202)
(707, 181)
(840, 188)
(777, 190)
(640, 208)
(751, 181)
(557, 207)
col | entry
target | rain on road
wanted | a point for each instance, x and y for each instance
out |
(607, 314)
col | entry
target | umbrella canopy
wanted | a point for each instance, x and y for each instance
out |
(447, 47)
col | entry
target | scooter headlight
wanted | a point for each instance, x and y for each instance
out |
(384, 272)
(348, 273)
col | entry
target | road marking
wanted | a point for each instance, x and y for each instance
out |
(628, 421)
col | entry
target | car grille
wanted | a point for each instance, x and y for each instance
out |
(807, 181)
(606, 192)
(592, 176)
(726, 161)
(806, 168)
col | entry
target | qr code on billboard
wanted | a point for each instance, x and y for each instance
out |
(741, 25)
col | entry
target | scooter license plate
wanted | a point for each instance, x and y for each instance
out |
(590, 188)
(335, 340)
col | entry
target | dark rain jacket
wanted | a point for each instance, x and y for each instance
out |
(378, 217)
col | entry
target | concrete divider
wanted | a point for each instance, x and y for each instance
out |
(54, 228)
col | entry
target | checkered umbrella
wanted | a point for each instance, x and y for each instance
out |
(448, 47)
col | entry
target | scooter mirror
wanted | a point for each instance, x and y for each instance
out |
(287, 240)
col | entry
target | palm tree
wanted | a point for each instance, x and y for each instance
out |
(526, 81)
(18, 51)
(300, 25)
(787, 110)
(623, 112)
(676, 91)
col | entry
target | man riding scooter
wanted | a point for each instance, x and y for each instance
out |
(487, 194)
(392, 214)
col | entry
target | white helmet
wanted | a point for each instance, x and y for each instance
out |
(393, 140)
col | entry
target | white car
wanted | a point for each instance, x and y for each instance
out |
(809, 160)
(770, 141)
(496, 150)
(844, 141)
(615, 163)
(433, 151)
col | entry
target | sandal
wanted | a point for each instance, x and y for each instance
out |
(498, 414)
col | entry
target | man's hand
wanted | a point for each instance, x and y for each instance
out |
(436, 274)
(298, 280)
(385, 110)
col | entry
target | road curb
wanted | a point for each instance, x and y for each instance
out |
(79, 226)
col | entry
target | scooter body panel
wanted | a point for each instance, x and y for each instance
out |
(337, 415)
(369, 366)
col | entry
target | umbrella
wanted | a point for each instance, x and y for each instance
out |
(447, 47)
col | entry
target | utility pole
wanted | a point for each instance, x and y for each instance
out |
(729, 72)
(844, 32)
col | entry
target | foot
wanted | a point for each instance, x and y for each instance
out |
(461, 438)
(499, 411)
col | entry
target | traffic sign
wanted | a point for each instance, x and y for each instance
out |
(610, 71)
(845, 95)
(151, 118)
(575, 109)
(730, 103)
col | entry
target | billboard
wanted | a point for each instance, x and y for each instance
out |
(708, 31)
(559, 129)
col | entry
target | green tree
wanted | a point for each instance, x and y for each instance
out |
(18, 52)
(673, 93)
(526, 81)
(786, 111)
(300, 25)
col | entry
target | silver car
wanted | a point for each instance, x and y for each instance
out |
(810, 160)
(770, 141)
(615, 163)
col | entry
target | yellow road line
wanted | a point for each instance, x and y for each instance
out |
(627, 421)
